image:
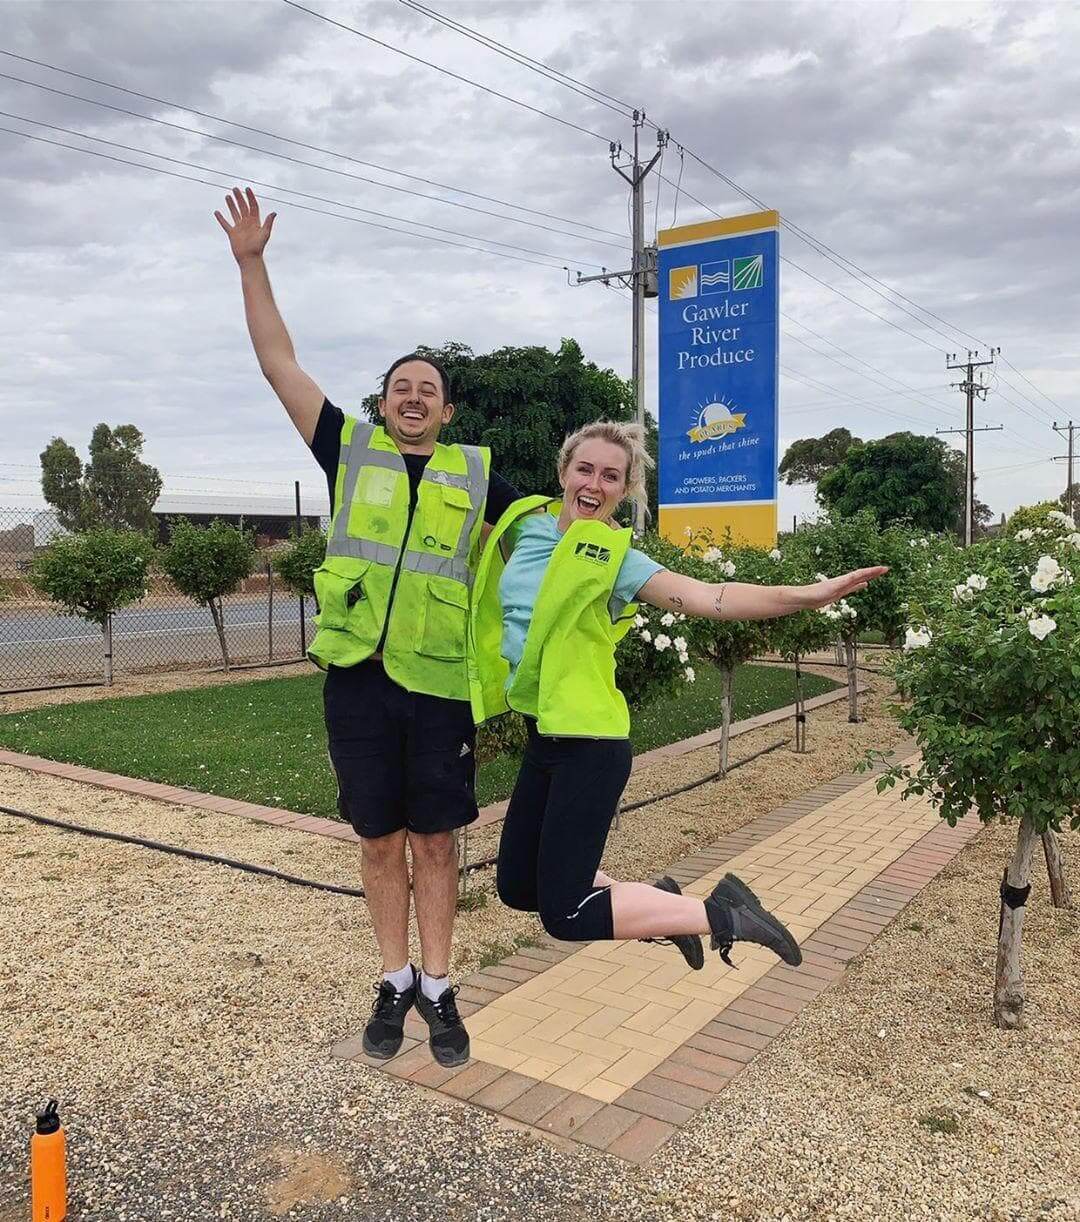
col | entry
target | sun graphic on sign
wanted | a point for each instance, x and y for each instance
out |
(716, 419)
(683, 282)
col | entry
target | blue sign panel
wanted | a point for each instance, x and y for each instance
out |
(718, 355)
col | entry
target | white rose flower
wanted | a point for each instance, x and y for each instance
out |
(680, 618)
(640, 621)
(646, 636)
(1063, 519)
(667, 619)
(775, 554)
(846, 611)
(728, 568)
(913, 543)
(924, 542)
(680, 644)
(962, 594)
(1022, 536)
(820, 577)
(662, 642)
(684, 658)
(689, 673)
(712, 555)
(1073, 539)
(1041, 627)
(917, 638)
(1047, 574)
(977, 582)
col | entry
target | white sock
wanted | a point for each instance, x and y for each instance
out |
(433, 988)
(402, 979)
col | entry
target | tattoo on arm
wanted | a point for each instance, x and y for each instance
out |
(719, 601)
(676, 601)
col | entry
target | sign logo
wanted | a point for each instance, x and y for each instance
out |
(749, 272)
(716, 419)
(682, 282)
(716, 277)
(593, 552)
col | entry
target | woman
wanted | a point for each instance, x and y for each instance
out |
(544, 627)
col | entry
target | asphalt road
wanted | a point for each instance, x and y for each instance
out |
(39, 646)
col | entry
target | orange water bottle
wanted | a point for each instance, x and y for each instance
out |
(48, 1170)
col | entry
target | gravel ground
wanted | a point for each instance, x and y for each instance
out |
(184, 1014)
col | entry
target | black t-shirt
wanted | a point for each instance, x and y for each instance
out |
(326, 446)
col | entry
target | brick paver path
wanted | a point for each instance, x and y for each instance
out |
(615, 1044)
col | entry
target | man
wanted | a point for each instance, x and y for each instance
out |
(406, 521)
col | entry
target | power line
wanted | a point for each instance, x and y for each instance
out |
(849, 266)
(1053, 402)
(624, 109)
(337, 203)
(446, 71)
(195, 131)
(273, 199)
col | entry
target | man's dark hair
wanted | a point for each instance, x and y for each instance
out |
(418, 356)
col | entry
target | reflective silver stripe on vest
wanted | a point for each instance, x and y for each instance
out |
(357, 454)
(438, 566)
(449, 479)
(365, 549)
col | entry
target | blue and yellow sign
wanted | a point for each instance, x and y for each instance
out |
(718, 360)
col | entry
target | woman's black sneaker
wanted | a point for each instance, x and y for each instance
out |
(736, 915)
(449, 1041)
(688, 943)
(386, 1027)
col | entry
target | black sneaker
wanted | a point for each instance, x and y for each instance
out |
(386, 1027)
(688, 943)
(449, 1041)
(736, 915)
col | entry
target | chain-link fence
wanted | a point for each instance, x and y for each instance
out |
(41, 647)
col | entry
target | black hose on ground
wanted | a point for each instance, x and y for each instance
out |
(191, 854)
(265, 871)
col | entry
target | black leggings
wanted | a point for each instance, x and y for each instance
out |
(556, 825)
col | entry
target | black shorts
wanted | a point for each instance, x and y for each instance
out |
(402, 759)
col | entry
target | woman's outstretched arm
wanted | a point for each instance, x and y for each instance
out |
(738, 600)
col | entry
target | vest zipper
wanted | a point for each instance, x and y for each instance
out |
(397, 572)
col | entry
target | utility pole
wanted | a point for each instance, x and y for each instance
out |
(641, 274)
(972, 389)
(1070, 489)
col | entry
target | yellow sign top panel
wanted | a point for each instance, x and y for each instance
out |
(723, 227)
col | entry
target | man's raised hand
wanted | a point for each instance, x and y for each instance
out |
(247, 234)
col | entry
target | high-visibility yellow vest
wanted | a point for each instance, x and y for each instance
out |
(566, 676)
(415, 587)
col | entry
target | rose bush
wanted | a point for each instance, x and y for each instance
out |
(991, 677)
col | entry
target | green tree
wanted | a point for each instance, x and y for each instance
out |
(296, 564)
(991, 680)
(725, 643)
(115, 489)
(903, 477)
(794, 636)
(1035, 517)
(837, 545)
(207, 563)
(808, 459)
(94, 574)
(522, 402)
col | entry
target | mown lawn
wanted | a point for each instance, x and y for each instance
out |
(265, 741)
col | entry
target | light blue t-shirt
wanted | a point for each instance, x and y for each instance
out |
(519, 585)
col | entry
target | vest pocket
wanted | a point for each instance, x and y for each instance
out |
(456, 504)
(338, 589)
(442, 624)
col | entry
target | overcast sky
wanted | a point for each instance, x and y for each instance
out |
(935, 145)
